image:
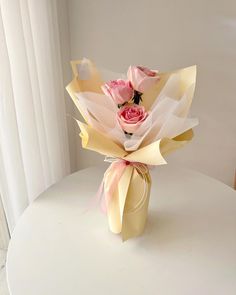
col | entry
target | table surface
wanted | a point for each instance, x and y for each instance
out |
(188, 247)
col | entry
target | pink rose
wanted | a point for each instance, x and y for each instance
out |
(142, 78)
(121, 91)
(131, 117)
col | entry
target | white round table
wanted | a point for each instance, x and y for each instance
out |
(188, 247)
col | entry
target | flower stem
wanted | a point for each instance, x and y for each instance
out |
(137, 97)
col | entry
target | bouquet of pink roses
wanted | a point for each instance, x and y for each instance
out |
(133, 121)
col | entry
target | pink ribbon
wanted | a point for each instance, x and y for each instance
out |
(117, 165)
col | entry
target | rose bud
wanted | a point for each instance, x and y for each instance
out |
(130, 117)
(142, 78)
(119, 90)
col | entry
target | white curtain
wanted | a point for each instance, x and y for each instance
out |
(33, 133)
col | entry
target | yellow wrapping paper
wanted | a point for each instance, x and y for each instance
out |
(128, 206)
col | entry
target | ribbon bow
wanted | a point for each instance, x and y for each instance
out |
(117, 168)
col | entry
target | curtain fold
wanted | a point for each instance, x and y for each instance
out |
(34, 150)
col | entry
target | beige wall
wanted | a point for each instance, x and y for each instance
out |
(168, 35)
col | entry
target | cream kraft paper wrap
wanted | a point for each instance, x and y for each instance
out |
(128, 206)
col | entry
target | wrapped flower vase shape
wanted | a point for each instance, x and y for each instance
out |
(134, 121)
